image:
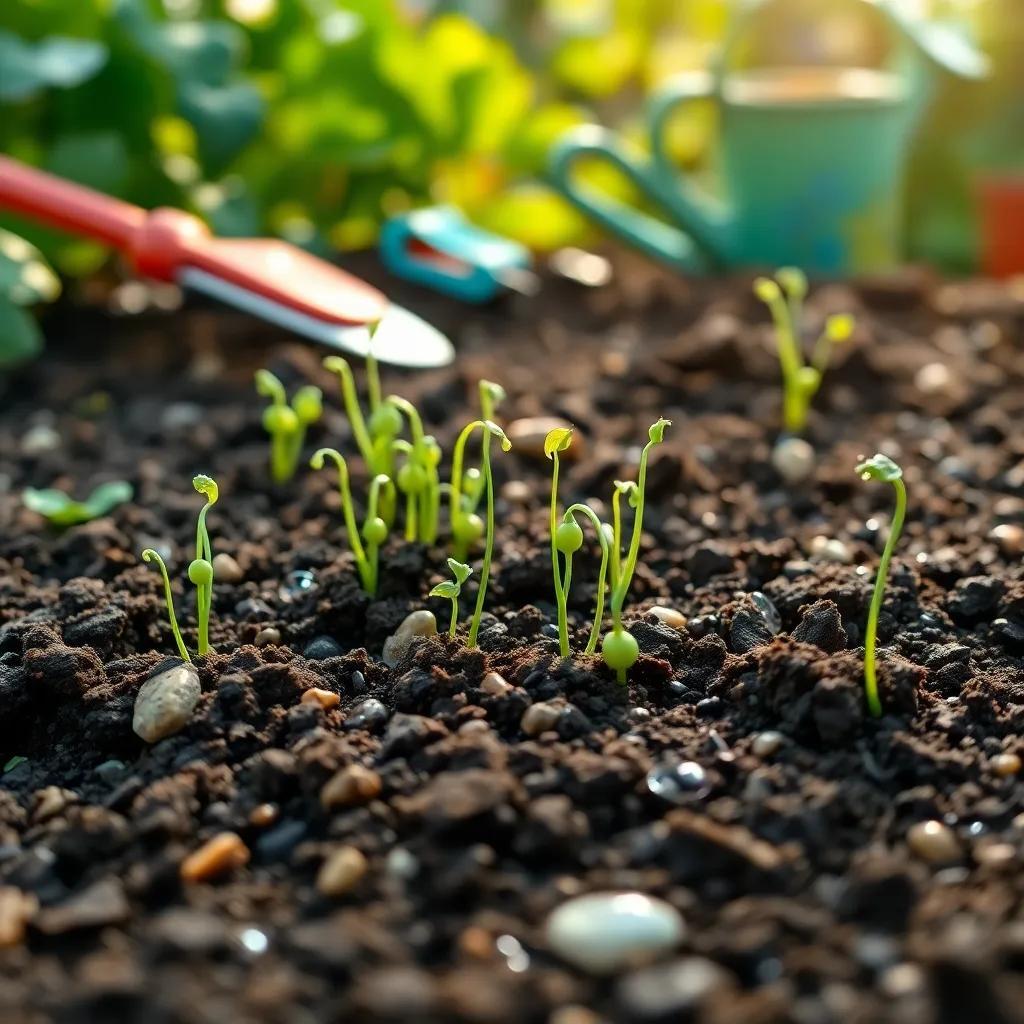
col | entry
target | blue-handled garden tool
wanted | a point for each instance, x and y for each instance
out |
(438, 248)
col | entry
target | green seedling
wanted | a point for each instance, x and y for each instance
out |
(418, 477)
(801, 379)
(566, 540)
(375, 528)
(451, 589)
(200, 573)
(60, 510)
(619, 648)
(489, 429)
(882, 469)
(287, 424)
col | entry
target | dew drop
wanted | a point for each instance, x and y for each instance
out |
(679, 783)
(296, 584)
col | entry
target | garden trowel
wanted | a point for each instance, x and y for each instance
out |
(271, 279)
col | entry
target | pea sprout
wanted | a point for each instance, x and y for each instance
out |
(287, 424)
(375, 529)
(200, 574)
(801, 380)
(882, 469)
(451, 589)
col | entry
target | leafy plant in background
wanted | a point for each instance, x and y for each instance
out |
(375, 529)
(60, 510)
(801, 379)
(882, 469)
(451, 589)
(200, 573)
(25, 280)
(287, 424)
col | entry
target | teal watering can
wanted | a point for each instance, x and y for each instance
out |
(812, 158)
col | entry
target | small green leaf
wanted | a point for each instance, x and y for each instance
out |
(107, 497)
(206, 485)
(657, 430)
(557, 441)
(459, 570)
(879, 467)
(270, 387)
(447, 589)
(793, 281)
(57, 61)
(506, 444)
(14, 762)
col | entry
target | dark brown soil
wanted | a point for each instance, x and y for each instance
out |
(803, 900)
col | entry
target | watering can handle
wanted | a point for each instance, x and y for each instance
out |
(686, 239)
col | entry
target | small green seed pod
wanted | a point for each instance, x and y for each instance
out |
(569, 537)
(279, 419)
(412, 478)
(200, 572)
(620, 650)
(375, 531)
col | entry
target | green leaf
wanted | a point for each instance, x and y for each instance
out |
(557, 441)
(96, 159)
(506, 444)
(20, 337)
(881, 468)
(107, 497)
(13, 763)
(226, 118)
(60, 62)
(207, 486)
(447, 589)
(657, 431)
(459, 570)
(59, 509)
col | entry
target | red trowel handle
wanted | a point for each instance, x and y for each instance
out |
(163, 243)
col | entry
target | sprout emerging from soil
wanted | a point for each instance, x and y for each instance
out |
(556, 442)
(800, 379)
(200, 573)
(619, 648)
(418, 477)
(884, 470)
(490, 429)
(467, 488)
(375, 529)
(287, 424)
(451, 589)
(61, 510)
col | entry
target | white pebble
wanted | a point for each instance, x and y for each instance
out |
(830, 549)
(226, 569)
(767, 743)
(39, 440)
(604, 931)
(419, 623)
(165, 702)
(668, 616)
(793, 459)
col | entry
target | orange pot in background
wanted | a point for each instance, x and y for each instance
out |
(1001, 200)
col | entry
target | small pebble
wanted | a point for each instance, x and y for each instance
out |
(39, 440)
(668, 616)
(996, 855)
(296, 584)
(934, 842)
(604, 931)
(326, 699)
(418, 623)
(351, 785)
(793, 459)
(165, 702)
(495, 685)
(517, 492)
(226, 569)
(933, 379)
(224, 852)
(680, 783)
(527, 436)
(320, 648)
(263, 815)
(400, 863)
(358, 682)
(767, 743)
(268, 637)
(1006, 764)
(369, 715)
(1009, 537)
(16, 910)
(540, 718)
(341, 871)
(830, 549)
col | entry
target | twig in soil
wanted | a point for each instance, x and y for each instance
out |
(200, 573)
(800, 379)
(375, 528)
(451, 589)
(287, 424)
(883, 469)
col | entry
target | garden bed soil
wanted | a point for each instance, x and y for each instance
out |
(807, 894)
